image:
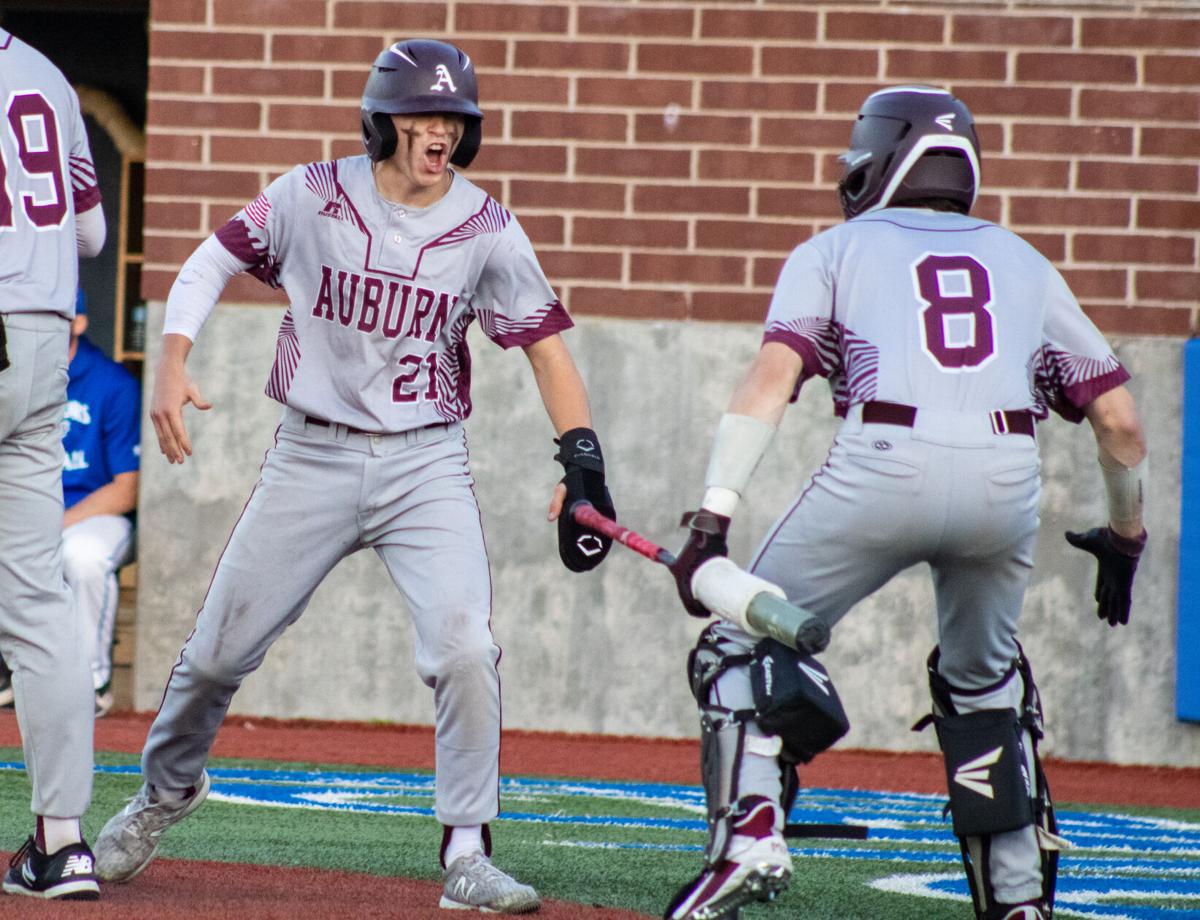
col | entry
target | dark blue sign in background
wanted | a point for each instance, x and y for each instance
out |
(1187, 683)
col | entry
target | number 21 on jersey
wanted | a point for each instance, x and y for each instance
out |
(956, 325)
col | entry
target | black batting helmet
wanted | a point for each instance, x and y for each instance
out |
(910, 143)
(414, 76)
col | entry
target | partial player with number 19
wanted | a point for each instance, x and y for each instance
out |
(50, 215)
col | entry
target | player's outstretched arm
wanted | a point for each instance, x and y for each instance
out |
(743, 434)
(1123, 464)
(173, 390)
(563, 394)
(565, 398)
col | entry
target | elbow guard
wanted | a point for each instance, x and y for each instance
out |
(739, 444)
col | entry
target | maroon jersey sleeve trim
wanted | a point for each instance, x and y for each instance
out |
(1080, 394)
(507, 333)
(236, 238)
(1066, 383)
(801, 346)
(85, 198)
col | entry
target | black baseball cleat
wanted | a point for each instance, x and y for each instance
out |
(69, 874)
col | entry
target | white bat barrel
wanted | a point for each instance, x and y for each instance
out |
(757, 606)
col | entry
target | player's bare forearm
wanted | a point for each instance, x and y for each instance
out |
(560, 384)
(768, 385)
(1118, 429)
(173, 390)
(117, 497)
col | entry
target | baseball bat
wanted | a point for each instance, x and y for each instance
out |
(765, 612)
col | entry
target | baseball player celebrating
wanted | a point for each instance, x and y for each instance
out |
(386, 259)
(50, 214)
(944, 338)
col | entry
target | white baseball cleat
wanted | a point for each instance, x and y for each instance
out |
(756, 867)
(473, 883)
(129, 840)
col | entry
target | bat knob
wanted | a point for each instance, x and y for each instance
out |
(812, 636)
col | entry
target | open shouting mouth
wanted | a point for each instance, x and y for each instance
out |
(437, 155)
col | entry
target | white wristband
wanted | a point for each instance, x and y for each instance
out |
(721, 501)
(1125, 487)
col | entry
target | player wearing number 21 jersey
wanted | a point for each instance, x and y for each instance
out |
(386, 259)
(382, 294)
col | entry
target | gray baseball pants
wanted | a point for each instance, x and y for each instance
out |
(950, 493)
(323, 494)
(41, 637)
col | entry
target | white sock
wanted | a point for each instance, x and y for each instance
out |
(59, 833)
(464, 840)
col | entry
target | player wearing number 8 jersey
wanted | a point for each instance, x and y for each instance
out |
(944, 338)
(50, 214)
(386, 259)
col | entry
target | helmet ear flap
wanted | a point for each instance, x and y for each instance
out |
(472, 137)
(379, 136)
(850, 189)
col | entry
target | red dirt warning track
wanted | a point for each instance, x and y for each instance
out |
(176, 889)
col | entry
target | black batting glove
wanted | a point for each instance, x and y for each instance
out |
(580, 548)
(1117, 559)
(707, 538)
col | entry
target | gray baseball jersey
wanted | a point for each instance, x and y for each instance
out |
(963, 328)
(939, 311)
(382, 295)
(372, 367)
(46, 177)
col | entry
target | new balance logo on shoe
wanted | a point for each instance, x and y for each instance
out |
(78, 864)
(473, 883)
(65, 874)
(463, 889)
(975, 774)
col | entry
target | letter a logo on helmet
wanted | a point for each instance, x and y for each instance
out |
(420, 76)
(444, 80)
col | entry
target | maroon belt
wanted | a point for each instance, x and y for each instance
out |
(1004, 421)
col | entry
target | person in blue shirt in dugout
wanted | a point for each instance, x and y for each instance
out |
(101, 447)
(101, 443)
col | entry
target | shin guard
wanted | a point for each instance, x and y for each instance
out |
(994, 775)
(725, 742)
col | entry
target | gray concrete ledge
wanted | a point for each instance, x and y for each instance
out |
(604, 652)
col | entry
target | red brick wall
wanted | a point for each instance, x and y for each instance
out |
(665, 156)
